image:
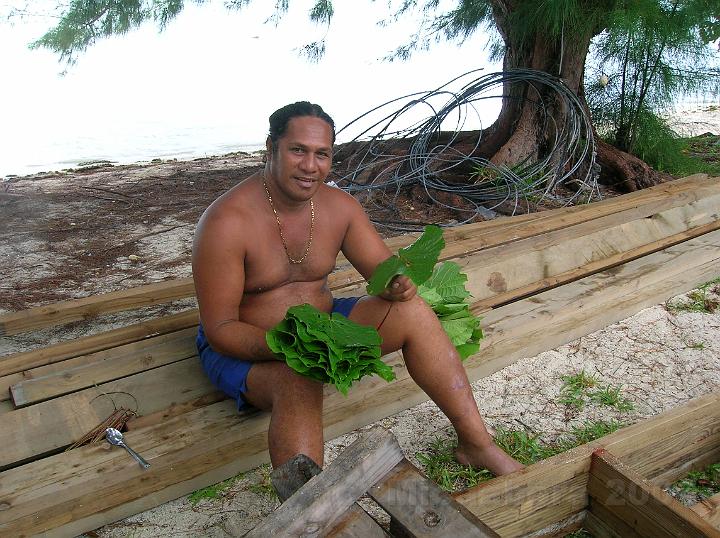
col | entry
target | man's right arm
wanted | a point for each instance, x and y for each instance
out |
(219, 275)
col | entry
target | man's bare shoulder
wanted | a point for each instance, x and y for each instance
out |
(339, 200)
(235, 207)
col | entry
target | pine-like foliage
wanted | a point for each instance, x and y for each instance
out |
(650, 54)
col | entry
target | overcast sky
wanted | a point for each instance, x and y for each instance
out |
(212, 70)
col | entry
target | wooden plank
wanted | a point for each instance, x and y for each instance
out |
(672, 466)
(175, 410)
(32, 431)
(294, 473)
(89, 307)
(76, 374)
(357, 523)
(565, 277)
(18, 362)
(647, 509)
(6, 407)
(502, 274)
(602, 523)
(654, 199)
(31, 499)
(220, 447)
(419, 507)
(507, 229)
(321, 501)
(709, 510)
(561, 315)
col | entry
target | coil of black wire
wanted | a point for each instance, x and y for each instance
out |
(430, 153)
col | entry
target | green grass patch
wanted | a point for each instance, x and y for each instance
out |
(440, 466)
(705, 483)
(609, 396)
(658, 145)
(586, 432)
(575, 388)
(525, 448)
(264, 487)
(706, 150)
(215, 491)
(698, 300)
(580, 388)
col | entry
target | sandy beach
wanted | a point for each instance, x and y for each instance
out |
(660, 357)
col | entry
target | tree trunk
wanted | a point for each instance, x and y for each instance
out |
(522, 130)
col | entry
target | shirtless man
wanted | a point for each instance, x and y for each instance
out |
(270, 243)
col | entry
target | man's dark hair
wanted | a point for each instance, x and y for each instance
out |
(281, 117)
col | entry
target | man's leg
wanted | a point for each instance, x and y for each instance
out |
(434, 364)
(295, 403)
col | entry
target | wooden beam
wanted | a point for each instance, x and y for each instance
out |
(564, 314)
(89, 307)
(602, 523)
(571, 275)
(645, 508)
(357, 523)
(6, 407)
(418, 507)
(709, 510)
(48, 426)
(18, 362)
(549, 259)
(320, 502)
(295, 473)
(72, 375)
(175, 410)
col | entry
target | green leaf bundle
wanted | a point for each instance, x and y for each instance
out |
(443, 288)
(328, 347)
(445, 292)
(416, 261)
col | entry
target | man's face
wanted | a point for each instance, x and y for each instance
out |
(302, 159)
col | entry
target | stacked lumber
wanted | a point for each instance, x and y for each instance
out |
(541, 280)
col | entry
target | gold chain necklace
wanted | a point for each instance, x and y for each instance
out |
(282, 237)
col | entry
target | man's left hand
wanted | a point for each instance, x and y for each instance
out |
(401, 288)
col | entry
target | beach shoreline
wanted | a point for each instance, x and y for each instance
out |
(687, 119)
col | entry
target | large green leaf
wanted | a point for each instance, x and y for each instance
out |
(445, 292)
(416, 261)
(446, 282)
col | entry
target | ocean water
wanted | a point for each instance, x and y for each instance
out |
(57, 148)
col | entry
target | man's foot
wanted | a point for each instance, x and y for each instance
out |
(490, 457)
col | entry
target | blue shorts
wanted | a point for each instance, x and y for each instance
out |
(230, 374)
